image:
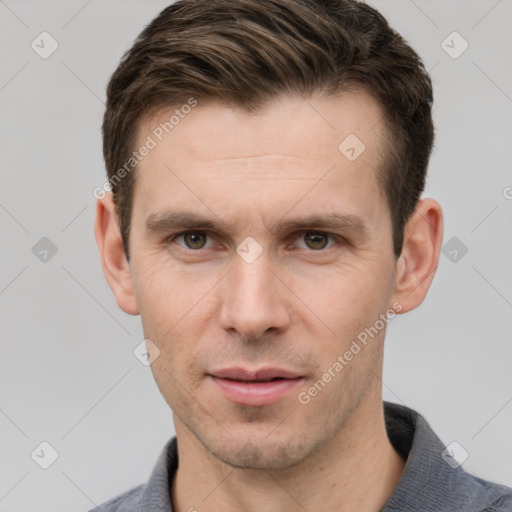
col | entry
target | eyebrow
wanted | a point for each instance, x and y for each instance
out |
(173, 219)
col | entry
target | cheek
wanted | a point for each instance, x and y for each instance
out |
(346, 296)
(348, 303)
(175, 307)
(165, 291)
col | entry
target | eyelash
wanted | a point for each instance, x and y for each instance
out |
(334, 237)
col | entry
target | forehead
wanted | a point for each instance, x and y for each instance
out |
(309, 152)
(287, 125)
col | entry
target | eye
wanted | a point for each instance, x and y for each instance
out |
(313, 240)
(316, 240)
(194, 240)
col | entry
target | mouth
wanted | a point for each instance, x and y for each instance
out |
(255, 388)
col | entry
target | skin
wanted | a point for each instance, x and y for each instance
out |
(298, 306)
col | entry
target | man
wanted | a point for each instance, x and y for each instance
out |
(266, 160)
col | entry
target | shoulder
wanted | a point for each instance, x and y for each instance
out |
(153, 495)
(432, 480)
(128, 501)
(499, 496)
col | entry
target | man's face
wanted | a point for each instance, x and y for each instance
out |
(287, 301)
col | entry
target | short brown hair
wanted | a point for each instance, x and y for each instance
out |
(246, 52)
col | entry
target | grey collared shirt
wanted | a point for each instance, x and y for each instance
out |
(432, 481)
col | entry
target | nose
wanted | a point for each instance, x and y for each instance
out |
(255, 301)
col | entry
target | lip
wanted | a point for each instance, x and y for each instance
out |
(245, 387)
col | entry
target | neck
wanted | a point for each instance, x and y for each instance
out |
(357, 470)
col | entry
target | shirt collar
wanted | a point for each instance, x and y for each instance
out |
(431, 480)
(156, 496)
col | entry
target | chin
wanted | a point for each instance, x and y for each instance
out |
(259, 454)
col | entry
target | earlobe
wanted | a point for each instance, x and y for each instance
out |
(416, 266)
(113, 259)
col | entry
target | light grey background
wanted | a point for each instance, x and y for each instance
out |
(67, 372)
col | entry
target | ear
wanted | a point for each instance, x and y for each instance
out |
(113, 259)
(417, 264)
